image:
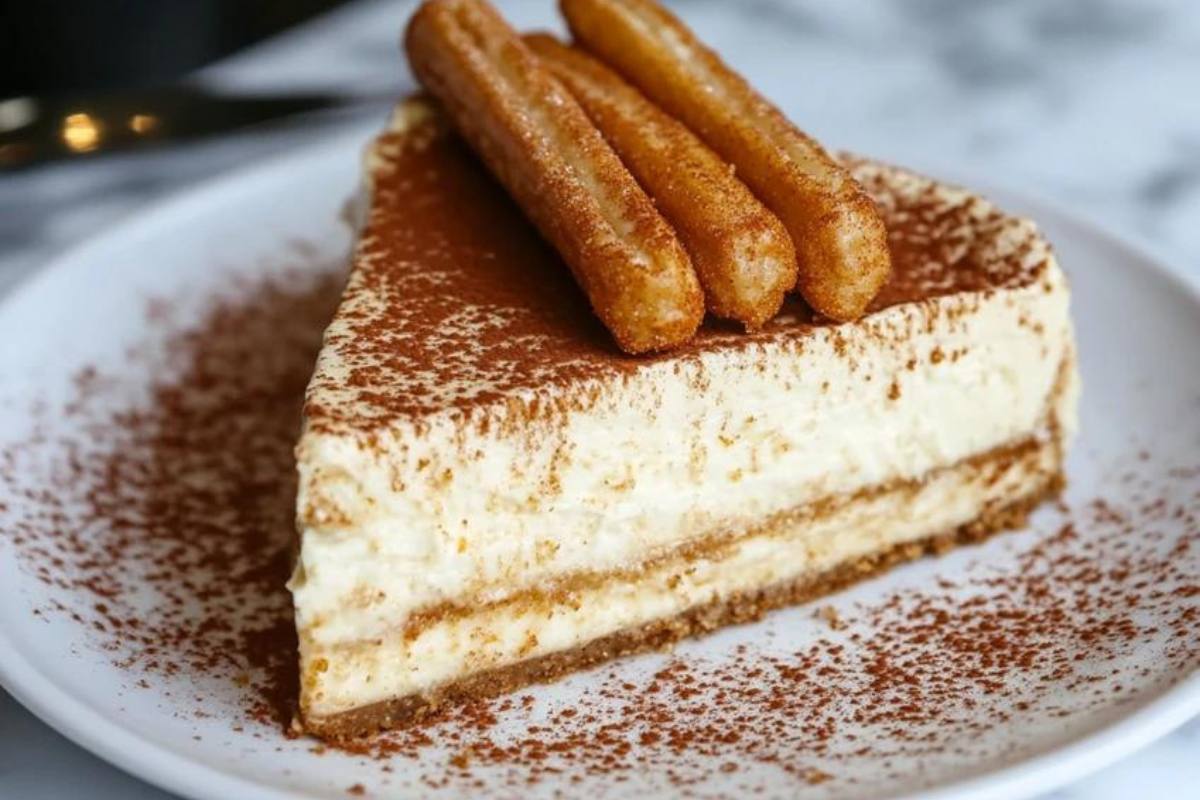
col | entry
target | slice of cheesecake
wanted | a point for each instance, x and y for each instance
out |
(491, 494)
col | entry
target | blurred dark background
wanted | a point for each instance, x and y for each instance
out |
(63, 46)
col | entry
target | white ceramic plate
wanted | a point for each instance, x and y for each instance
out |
(1138, 329)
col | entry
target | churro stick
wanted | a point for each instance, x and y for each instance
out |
(840, 239)
(741, 251)
(538, 142)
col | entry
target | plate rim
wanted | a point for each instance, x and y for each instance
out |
(166, 769)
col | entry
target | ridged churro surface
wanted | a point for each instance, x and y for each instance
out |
(542, 147)
(840, 240)
(742, 253)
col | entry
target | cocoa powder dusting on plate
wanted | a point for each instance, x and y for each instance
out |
(908, 676)
(164, 524)
(181, 503)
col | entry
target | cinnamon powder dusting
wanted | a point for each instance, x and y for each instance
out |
(456, 303)
(163, 523)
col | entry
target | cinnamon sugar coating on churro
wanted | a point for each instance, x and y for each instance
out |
(542, 147)
(742, 253)
(840, 239)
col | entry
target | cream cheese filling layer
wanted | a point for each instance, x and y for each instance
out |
(447, 507)
(357, 672)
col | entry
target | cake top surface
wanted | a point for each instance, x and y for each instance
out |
(454, 300)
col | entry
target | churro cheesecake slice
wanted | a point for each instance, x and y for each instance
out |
(492, 494)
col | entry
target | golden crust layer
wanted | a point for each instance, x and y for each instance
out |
(739, 608)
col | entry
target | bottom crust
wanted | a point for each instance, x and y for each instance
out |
(739, 608)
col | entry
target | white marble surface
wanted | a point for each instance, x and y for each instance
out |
(1092, 102)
